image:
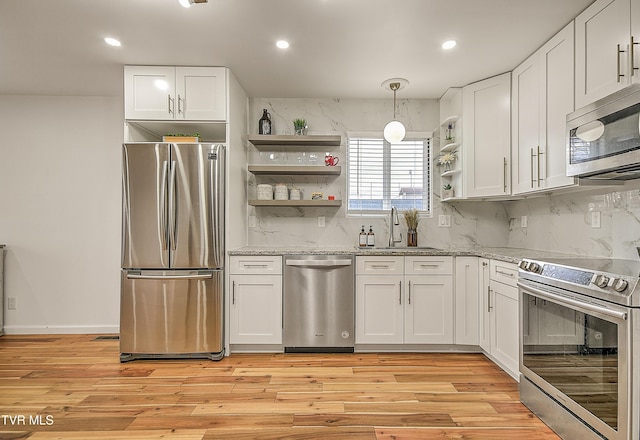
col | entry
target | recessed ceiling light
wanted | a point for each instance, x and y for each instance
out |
(112, 42)
(282, 44)
(450, 44)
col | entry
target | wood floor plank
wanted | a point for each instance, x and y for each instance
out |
(79, 382)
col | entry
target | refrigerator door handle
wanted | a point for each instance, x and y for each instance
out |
(162, 207)
(172, 205)
(207, 276)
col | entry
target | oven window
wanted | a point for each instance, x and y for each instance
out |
(611, 135)
(574, 352)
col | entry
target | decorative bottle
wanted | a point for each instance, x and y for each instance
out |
(362, 238)
(371, 238)
(264, 124)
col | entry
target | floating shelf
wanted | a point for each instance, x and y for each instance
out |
(450, 173)
(294, 203)
(281, 170)
(449, 120)
(313, 140)
(450, 147)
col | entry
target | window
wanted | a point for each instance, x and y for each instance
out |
(381, 175)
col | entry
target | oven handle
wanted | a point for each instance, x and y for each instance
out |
(578, 304)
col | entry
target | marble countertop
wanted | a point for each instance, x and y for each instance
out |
(511, 255)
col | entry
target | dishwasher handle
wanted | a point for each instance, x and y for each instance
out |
(318, 263)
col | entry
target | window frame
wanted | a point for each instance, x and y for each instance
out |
(426, 136)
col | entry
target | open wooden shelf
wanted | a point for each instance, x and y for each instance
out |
(294, 203)
(281, 170)
(262, 141)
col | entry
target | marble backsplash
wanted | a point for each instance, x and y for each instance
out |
(563, 223)
(472, 223)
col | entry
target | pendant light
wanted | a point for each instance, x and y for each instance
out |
(394, 131)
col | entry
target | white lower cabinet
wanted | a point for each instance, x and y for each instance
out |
(467, 325)
(404, 300)
(499, 323)
(256, 300)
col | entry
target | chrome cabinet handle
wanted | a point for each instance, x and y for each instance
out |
(233, 293)
(540, 153)
(255, 265)
(620, 75)
(180, 111)
(631, 56)
(379, 266)
(531, 166)
(489, 306)
(169, 104)
(409, 292)
(400, 296)
(509, 274)
(504, 173)
(429, 265)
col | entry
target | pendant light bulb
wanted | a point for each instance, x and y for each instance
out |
(394, 131)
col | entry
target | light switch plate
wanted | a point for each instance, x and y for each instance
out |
(523, 221)
(595, 219)
(444, 221)
(321, 221)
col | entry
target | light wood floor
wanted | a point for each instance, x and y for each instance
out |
(74, 387)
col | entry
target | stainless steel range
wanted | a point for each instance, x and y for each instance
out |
(580, 346)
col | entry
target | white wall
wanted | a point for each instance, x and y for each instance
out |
(60, 186)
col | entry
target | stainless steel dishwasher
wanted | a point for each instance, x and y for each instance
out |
(319, 303)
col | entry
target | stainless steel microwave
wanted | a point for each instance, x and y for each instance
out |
(604, 137)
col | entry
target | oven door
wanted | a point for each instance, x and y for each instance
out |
(575, 349)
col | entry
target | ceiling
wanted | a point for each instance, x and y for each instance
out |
(339, 48)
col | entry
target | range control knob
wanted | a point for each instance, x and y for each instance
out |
(601, 281)
(619, 285)
(534, 267)
(523, 264)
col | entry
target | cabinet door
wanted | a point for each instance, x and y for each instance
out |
(466, 301)
(505, 346)
(487, 134)
(379, 309)
(149, 92)
(484, 301)
(599, 30)
(526, 125)
(428, 309)
(256, 309)
(201, 93)
(557, 101)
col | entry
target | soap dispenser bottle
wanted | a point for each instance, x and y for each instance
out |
(362, 238)
(371, 238)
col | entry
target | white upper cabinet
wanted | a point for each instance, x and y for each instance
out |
(542, 96)
(487, 134)
(175, 93)
(603, 44)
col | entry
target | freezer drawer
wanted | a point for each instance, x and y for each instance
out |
(171, 314)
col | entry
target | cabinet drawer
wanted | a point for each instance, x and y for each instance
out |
(379, 265)
(428, 265)
(256, 264)
(506, 273)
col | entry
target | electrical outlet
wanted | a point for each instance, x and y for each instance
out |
(444, 221)
(595, 219)
(321, 221)
(11, 303)
(523, 221)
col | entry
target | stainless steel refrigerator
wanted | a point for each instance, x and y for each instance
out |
(171, 300)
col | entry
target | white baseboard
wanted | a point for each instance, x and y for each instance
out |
(60, 329)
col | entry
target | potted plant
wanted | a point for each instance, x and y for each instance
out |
(447, 191)
(300, 126)
(412, 220)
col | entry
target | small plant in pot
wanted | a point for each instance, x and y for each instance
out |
(447, 191)
(300, 126)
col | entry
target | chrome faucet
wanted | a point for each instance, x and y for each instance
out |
(393, 222)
